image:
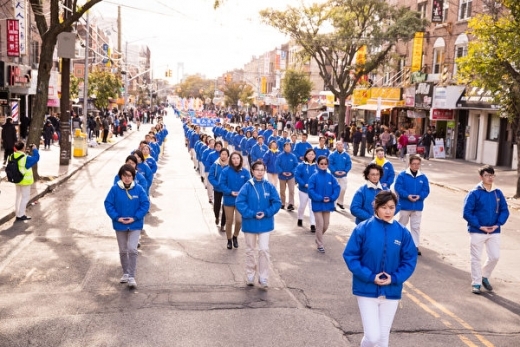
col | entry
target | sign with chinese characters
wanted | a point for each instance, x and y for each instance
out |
(13, 38)
(417, 51)
(437, 15)
(20, 13)
(441, 114)
(424, 95)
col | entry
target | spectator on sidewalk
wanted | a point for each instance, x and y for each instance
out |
(127, 204)
(413, 188)
(257, 202)
(8, 138)
(48, 132)
(23, 188)
(427, 141)
(357, 137)
(381, 256)
(340, 165)
(485, 210)
(106, 126)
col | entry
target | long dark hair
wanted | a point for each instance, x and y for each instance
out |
(305, 155)
(239, 166)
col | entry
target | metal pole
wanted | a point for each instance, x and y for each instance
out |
(85, 76)
(126, 74)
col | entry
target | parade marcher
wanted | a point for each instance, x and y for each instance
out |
(321, 148)
(127, 204)
(204, 160)
(323, 189)
(259, 149)
(149, 159)
(301, 147)
(144, 169)
(214, 177)
(257, 202)
(270, 163)
(233, 177)
(304, 171)
(388, 177)
(244, 148)
(8, 138)
(340, 165)
(412, 187)
(23, 188)
(139, 177)
(286, 164)
(381, 255)
(362, 206)
(485, 210)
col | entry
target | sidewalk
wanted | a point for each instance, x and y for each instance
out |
(52, 174)
(453, 174)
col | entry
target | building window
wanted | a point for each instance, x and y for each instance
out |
(35, 53)
(461, 50)
(465, 9)
(493, 129)
(438, 55)
(421, 8)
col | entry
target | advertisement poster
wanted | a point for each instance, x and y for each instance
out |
(437, 15)
(439, 151)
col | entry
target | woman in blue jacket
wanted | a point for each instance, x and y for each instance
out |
(304, 171)
(149, 159)
(323, 190)
(126, 204)
(269, 160)
(257, 202)
(231, 180)
(362, 203)
(244, 148)
(214, 177)
(139, 178)
(381, 255)
(144, 169)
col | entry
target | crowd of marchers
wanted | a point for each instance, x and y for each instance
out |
(252, 170)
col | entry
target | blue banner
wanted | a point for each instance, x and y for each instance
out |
(204, 122)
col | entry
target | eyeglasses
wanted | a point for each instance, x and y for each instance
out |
(323, 164)
(259, 170)
(488, 176)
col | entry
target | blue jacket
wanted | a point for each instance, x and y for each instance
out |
(232, 181)
(258, 196)
(304, 171)
(118, 204)
(145, 170)
(270, 161)
(194, 137)
(339, 162)
(204, 157)
(388, 174)
(322, 184)
(362, 203)
(300, 148)
(243, 146)
(319, 152)
(258, 151)
(237, 140)
(281, 142)
(286, 162)
(155, 149)
(139, 179)
(214, 175)
(249, 144)
(483, 208)
(212, 156)
(406, 184)
(376, 246)
(152, 164)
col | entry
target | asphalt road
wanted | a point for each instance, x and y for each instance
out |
(59, 274)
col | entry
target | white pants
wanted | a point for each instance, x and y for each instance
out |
(209, 187)
(23, 194)
(263, 255)
(492, 243)
(342, 181)
(377, 315)
(194, 157)
(201, 169)
(304, 201)
(245, 163)
(415, 223)
(273, 178)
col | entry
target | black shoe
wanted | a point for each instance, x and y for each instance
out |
(418, 251)
(341, 206)
(229, 244)
(202, 179)
(216, 221)
(313, 228)
(283, 207)
(24, 217)
(235, 242)
(300, 223)
(290, 208)
(223, 228)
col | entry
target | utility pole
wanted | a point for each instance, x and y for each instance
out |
(65, 128)
(85, 76)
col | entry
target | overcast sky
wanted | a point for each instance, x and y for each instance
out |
(207, 41)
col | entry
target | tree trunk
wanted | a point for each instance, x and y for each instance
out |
(341, 116)
(42, 94)
(517, 195)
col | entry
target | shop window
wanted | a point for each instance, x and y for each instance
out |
(493, 129)
(465, 9)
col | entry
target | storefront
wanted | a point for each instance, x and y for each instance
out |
(376, 105)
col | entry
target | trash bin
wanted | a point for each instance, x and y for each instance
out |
(80, 144)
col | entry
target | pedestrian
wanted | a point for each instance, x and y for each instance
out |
(105, 125)
(357, 137)
(304, 171)
(8, 138)
(286, 164)
(412, 187)
(402, 143)
(257, 202)
(270, 163)
(340, 165)
(23, 188)
(381, 256)
(362, 206)
(127, 204)
(388, 176)
(485, 210)
(48, 131)
(427, 140)
(323, 190)
(233, 177)
(214, 177)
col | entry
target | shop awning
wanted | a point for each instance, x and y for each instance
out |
(368, 107)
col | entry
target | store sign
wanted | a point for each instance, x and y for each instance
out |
(437, 15)
(442, 115)
(417, 51)
(15, 76)
(20, 13)
(424, 95)
(409, 96)
(477, 98)
(13, 38)
(447, 97)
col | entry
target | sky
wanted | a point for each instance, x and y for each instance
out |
(209, 42)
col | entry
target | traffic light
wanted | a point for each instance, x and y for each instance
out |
(168, 73)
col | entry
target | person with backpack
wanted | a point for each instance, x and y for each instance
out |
(23, 188)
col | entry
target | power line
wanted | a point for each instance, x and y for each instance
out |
(147, 10)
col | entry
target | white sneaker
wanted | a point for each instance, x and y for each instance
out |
(263, 284)
(250, 281)
(132, 283)
(124, 279)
